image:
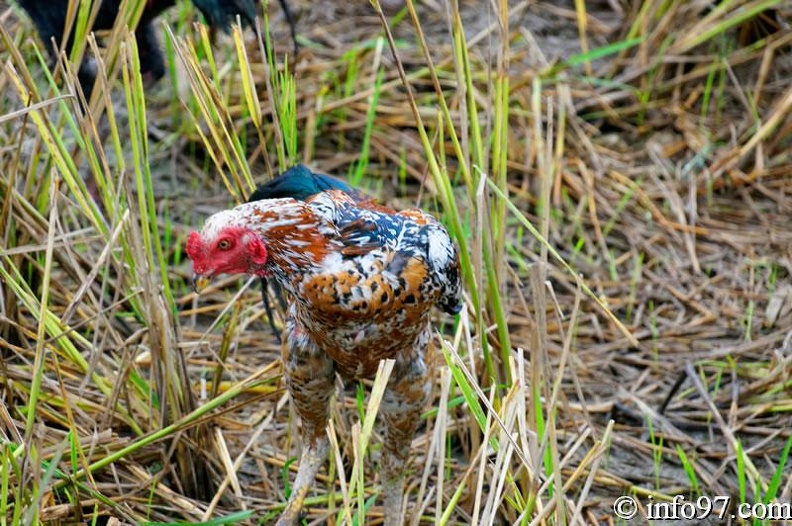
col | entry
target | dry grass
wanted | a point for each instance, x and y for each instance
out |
(657, 169)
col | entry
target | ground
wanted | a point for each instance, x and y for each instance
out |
(643, 350)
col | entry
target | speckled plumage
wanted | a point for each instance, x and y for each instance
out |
(357, 275)
(364, 280)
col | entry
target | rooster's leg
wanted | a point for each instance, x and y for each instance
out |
(399, 415)
(309, 376)
(268, 307)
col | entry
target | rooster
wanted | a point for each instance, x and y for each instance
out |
(50, 18)
(363, 280)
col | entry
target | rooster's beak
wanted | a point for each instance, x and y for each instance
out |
(200, 282)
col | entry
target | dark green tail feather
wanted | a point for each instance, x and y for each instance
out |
(300, 183)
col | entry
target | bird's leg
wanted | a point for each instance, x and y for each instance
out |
(309, 375)
(287, 14)
(152, 62)
(400, 414)
(268, 307)
(278, 291)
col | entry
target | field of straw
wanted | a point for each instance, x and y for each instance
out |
(618, 177)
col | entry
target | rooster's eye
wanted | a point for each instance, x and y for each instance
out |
(224, 244)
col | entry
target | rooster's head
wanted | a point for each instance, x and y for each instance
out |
(222, 249)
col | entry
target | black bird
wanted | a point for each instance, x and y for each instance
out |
(49, 17)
